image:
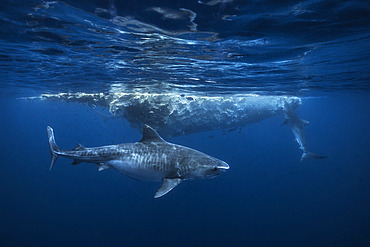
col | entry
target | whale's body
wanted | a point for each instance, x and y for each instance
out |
(151, 159)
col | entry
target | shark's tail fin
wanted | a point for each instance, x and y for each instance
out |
(309, 155)
(54, 149)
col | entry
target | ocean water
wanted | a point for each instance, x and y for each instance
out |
(213, 75)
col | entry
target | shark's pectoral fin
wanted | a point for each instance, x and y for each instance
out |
(167, 186)
(102, 167)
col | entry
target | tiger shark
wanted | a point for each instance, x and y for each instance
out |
(151, 159)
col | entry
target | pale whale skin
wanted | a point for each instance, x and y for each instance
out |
(151, 159)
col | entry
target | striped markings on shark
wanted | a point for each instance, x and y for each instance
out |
(151, 159)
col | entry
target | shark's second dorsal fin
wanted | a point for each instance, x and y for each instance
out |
(79, 148)
(150, 135)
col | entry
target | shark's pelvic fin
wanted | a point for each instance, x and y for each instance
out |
(309, 155)
(167, 186)
(150, 135)
(54, 149)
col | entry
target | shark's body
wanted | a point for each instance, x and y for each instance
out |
(151, 159)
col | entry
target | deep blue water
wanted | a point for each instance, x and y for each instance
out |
(316, 50)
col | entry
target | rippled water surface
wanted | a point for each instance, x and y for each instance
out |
(215, 46)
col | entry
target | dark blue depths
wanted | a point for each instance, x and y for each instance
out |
(267, 198)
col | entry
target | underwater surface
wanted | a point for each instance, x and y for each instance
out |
(237, 80)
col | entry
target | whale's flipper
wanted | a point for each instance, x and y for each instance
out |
(167, 186)
(309, 155)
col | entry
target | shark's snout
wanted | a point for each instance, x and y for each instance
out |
(216, 169)
(223, 166)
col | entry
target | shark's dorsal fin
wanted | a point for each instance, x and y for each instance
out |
(79, 148)
(150, 135)
(167, 186)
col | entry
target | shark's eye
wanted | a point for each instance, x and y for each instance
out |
(215, 168)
